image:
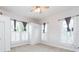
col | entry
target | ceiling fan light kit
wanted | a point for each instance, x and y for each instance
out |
(39, 9)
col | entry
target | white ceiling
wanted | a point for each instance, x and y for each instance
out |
(25, 11)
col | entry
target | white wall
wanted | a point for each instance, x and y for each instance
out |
(54, 26)
(34, 33)
(7, 38)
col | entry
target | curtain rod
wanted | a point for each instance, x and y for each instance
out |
(66, 17)
(17, 20)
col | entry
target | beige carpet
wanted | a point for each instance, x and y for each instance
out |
(37, 48)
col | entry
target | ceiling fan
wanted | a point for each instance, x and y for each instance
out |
(39, 9)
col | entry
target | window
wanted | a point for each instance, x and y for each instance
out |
(67, 36)
(19, 31)
(19, 26)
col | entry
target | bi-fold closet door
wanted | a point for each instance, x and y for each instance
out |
(4, 33)
(2, 36)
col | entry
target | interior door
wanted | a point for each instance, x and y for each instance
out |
(1, 36)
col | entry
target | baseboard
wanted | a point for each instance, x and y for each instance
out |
(22, 43)
(19, 44)
(49, 44)
(60, 46)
